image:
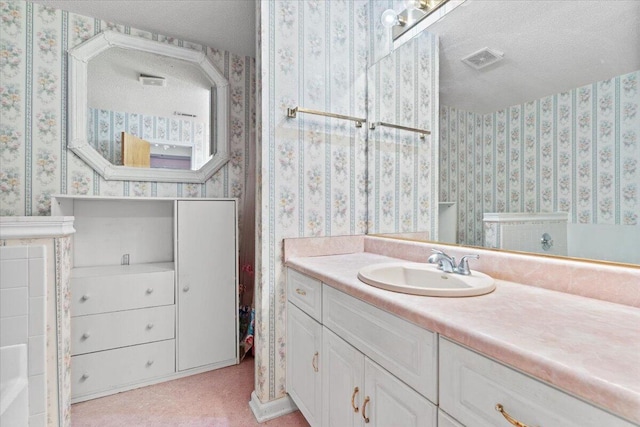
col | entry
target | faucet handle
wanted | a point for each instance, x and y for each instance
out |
(463, 267)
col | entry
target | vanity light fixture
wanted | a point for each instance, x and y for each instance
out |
(415, 11)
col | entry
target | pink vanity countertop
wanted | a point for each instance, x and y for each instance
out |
(586, 347)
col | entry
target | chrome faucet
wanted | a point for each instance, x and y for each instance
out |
(447, 263)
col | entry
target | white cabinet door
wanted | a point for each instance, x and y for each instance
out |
(207, 285)
(389, 402)
(342, 382)
(304, 365)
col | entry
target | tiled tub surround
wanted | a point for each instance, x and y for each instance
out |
(587, 347)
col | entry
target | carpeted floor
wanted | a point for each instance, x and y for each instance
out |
(218, 398)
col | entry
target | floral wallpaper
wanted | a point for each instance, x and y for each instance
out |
(35, 162)
(105, 131)
(311, 169)
(314, 176)
(403, 166)
(575, 152)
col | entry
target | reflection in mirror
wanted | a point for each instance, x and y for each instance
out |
(165, 101)
(165, 105)
(552, 129)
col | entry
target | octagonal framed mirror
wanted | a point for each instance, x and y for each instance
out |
(90, 58)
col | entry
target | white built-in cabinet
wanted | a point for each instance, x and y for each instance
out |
(351, 364)
(153, 290)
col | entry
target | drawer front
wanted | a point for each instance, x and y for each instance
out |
(306, 293)
(471, 385)
(404, 349)
(99, 332)
(106, 370)
(102, 294)
(445, 420)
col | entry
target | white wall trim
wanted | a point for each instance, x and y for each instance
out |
(30, 227)
(272, 409)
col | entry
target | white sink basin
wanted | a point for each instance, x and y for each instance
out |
(425, 279)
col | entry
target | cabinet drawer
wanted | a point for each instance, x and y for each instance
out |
(404, 349)
(306, 293)
(105, 370)
(114, 292)
(445, 420)
(98, 332)
(471, 385)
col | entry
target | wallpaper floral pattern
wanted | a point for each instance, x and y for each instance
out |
(33, 112)
(314, 178)
(402, 166)
(105, 129)
(575, 152)
(311, 169)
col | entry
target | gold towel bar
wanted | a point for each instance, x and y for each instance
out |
(423, 132)
(292, 112)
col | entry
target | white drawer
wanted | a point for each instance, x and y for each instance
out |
(98, 332)
(103, 289)
(444, 420)
(406, 350)
(471, 385)
(106, 370)
(306, 293)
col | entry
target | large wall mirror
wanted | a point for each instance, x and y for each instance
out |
(129, 90)
(552, 127)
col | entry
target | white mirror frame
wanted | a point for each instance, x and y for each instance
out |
(79, 58)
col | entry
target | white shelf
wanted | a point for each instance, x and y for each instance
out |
(119, 270)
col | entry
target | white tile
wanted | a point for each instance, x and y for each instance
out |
(14, 302)
(14, 273)
(14, 252)
(37, 394)
(37, 278)
(39, 420)
(36, 355)
(14, 330)
(39, 251)
(37, 322)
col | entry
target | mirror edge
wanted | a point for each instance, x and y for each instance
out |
(79, 57)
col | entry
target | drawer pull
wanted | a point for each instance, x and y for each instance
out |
(149, 362)
(364, 409)
(84, 377)
(314, 362)
(301, 292)
(86, 336)
(149, 290)
(353, 398)
(508, 417)
(186, 288)
(84, 297)
(150, 326)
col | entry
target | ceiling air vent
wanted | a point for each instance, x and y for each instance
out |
(483, 58)
(148, 80)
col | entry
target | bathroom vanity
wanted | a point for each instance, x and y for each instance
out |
(153, 290)
(359, 355)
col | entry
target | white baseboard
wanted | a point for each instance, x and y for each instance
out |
(272, 409)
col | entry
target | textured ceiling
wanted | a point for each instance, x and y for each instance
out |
(549, 47)
(222, 24)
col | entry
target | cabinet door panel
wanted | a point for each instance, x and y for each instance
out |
(343, 371)
(304, 364)
(393, 403)
(207, 291)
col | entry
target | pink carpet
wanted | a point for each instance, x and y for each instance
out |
(218, 398)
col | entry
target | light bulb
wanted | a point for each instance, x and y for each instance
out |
(389, 18)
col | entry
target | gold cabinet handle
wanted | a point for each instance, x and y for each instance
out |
(314, 362)
(508, 417)
(300, 292)
(364, 409)
(353, 400)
